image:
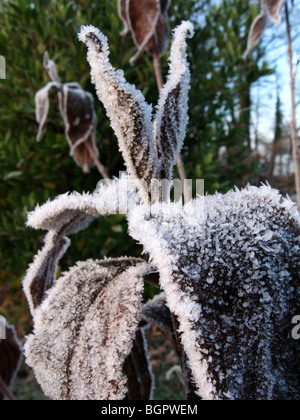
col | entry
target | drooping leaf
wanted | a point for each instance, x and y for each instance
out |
(274, 10)
(80, 122)
(256, 31)
(66, 215)
(172, 111)
(147, 21)
(230, 271)
(42, 106)
(131, 117)
(85, 329)
(138, 370)
(10, 357)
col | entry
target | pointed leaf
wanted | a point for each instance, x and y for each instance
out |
(230, 272)
(126, 107)
(42, 106)
(50, 68)
(172, 111)
(10, 357)
(85, 329)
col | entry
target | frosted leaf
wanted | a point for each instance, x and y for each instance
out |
(42, 106)
(234, 299)
(156, 312)
(273, 8)
(138, 370)
(172, 111)
(122, 11)
(10, 357)
(126, 107)
(256, 31)
(85, 328)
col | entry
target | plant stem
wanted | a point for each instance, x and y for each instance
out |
(180, 164)
(4, 390)
(295, 141)
(101, 169)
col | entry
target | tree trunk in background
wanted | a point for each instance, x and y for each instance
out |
(295, 140)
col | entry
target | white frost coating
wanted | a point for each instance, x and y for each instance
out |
(45, 266)
(172, 111)
(232, 279)
(131, 117)
(42, 107)
(85, 328)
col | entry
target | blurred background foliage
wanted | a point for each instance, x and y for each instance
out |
(218, 144)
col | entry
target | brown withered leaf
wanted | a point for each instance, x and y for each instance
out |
(10, 357)
(256, 31)
(274, 8)
(147, 21)
(85, 329)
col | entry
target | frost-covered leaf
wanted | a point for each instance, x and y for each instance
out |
(85, 328)
(156, 312)
(10, 357)
(256, 31)
(67, 214)
(122, 10)
(172, 111)
(42, 106)
(231, 276)
(131, 117)
(274, 10)
(138, 370)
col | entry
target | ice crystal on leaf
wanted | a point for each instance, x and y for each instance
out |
(231, 276)
(131, 117)
(85, 328)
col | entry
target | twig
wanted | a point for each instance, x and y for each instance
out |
(180, 164)
(4, 390)
(295, 142)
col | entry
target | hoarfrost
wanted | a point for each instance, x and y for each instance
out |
(85, 329)
(235, 327)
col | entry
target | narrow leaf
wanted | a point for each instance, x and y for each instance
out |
(172, 111)
(256, 31)
(85, 330)
(126, 107)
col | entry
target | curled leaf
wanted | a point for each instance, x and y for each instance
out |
(172, 111)
(156, 312)
(256, 31)
(131, 117)
(231, 276)
(85, 329)
(10, 357)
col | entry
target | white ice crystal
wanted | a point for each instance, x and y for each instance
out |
(233, 295)
(85, 329)
(131, 117)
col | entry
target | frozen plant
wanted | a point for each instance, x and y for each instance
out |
(229, 274)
